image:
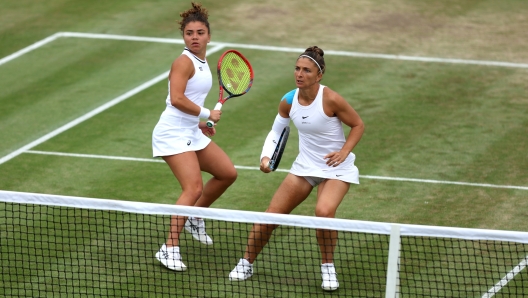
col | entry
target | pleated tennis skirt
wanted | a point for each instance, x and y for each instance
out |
(169, 139)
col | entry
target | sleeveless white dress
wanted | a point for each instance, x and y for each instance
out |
(177, 132)
(318, 136)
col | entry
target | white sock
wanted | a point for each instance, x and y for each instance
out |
(171, 248)
(245, 262)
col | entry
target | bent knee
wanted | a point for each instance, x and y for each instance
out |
(233, 175)
(324, 212)
(229, 176)
(193, 192)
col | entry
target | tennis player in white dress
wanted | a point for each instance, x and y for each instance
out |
(325, 161)
(182, 140)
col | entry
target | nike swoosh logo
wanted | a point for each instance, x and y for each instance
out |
(304, 117)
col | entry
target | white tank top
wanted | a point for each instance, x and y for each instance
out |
(318, 133)
(196, 90)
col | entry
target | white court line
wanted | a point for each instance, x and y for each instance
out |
(281, 170)
(94, 112)
(263, 48)
(506, 279)
(300, 50)
(30, 48)
(446, 182)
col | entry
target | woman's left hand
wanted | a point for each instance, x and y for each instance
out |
(208, 131)
(333, 159)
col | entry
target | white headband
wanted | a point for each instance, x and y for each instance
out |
(313, 61)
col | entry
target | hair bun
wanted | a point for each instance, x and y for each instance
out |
(315, 49)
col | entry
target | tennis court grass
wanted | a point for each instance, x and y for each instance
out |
(435, 121)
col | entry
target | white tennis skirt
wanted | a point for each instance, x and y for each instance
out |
(168, 139)
(346, 172)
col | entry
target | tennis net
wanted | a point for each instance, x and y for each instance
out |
(55, 246)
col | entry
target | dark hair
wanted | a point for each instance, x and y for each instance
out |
(317, 54)
(195, 14)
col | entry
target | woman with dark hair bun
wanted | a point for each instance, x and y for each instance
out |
(182, 140)
(325, 160)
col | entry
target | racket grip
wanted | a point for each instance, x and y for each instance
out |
(218, 106)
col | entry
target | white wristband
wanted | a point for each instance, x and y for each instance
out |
(204, 113)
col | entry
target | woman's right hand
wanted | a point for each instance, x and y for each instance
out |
(215, 115)
(264, 164)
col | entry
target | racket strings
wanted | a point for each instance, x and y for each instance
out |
(235, 74)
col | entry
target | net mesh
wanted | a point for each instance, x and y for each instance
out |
(97, 250)
(235, 74)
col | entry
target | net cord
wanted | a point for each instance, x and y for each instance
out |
(262, 217)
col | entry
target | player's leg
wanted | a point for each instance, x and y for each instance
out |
(292, 191)
(330, 193)
(215, 161)
(186, 169)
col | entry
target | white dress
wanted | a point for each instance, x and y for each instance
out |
(177, 132)
(318, 136)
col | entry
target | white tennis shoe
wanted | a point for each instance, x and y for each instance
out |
(242, 271)
(329, 275)
(196, 226)
(170, 257)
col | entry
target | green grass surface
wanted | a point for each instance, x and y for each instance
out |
(424, 120)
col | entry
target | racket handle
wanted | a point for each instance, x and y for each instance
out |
(218, 106)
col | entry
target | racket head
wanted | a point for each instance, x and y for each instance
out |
(279, 149)
(235, 74)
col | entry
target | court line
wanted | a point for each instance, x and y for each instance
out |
(300, 50)
(506, 279)
(94, 112)
(30, 48)
(282, 170)
(262, 47)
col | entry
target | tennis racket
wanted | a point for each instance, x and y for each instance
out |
(279, 149)
(235, 77)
